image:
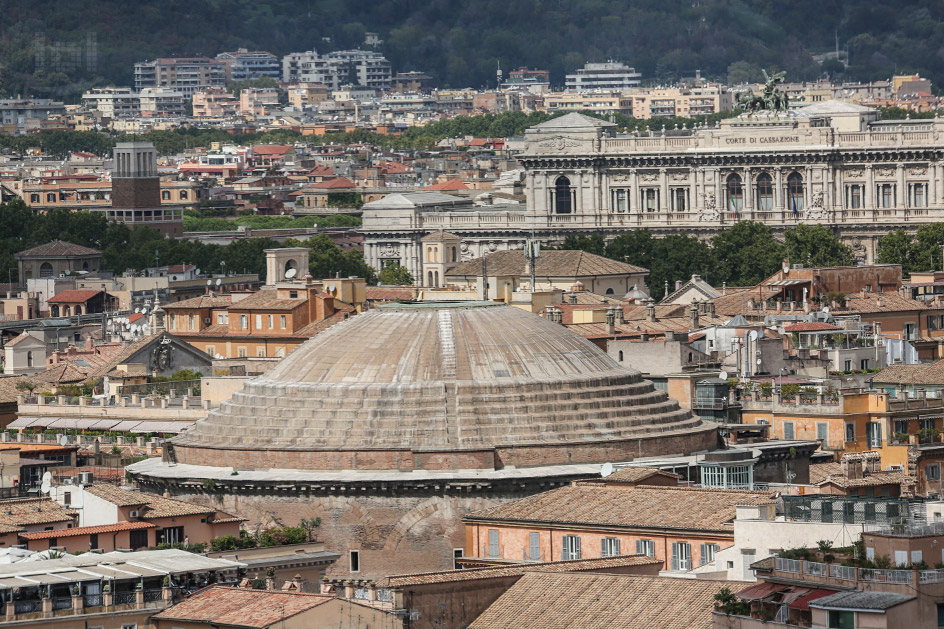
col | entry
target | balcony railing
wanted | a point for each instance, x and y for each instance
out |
(886, 576)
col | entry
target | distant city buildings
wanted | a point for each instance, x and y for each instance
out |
(187, 75)
(245, 65)
(611, 75)
(342, 67)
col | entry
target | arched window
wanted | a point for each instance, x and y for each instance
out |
(609, 291)
(453, 254)
(621, 355)
(765, 193)
(183, 194)
(29, 359)
(45, 270)
(436, 278)
(735, 201)
(289, 264)
(429, 278)
(85, 265)
(429, 254)
(34, 198)
(562, 202)
(165, 195)
(55, 311)
(795, 192)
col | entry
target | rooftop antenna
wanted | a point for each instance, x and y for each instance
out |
(498, 74)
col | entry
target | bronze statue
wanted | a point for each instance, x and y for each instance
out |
(772, 98)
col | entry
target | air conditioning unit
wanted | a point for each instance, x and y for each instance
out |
(894, 468)
(134, 513)
(69, 480)
(85, 478)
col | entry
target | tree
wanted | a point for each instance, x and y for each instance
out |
(310, 524)
(741, 72)
(895, 248)
(591, 244)
(395, 275)
(678, 257)
(326, 259)
(816, 245)
(745, 254)
(633, 247)
(926, 248)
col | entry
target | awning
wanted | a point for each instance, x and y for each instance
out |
(126, 426)
(787, 282)
(804, 601)
(761, 591)
(25, 422)
(73, 423)
(104, 424)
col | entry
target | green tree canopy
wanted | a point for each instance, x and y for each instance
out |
(395, 275)
(816, 245)
(745, 254)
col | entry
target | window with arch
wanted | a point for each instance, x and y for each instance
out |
(45, 270)
(563, 201)
(765, 193)
(454, 254)
(621, 355)
(735, 193)
(436, 278)
(34, 198)
(85, 266)
(429, 254)
(795, 192)
(165, 195)
(183, 194)
(610, 291)
(29, 359)
(429, 278)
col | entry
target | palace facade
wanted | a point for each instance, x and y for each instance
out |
(833, 163)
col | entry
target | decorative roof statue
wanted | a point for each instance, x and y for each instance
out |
(772, 98)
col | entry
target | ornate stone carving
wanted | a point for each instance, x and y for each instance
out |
(816, 211)
(678, 177)
(389, 250)
(619, 179)
(558, 143)
(650, 177)
(856, 173)
(709, 212)
(885, 172)
(918, 171)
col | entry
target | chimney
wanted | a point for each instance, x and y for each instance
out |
(619, 314)
(89, 344)
(710, 310)
(669, 335)
(611, 321)
(572, 297)
(651, 311)
(678, 284)
(693, 313)
(644, 337)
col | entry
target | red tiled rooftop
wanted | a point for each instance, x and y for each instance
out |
(228, 606)
(73, 296)
(89, 530)
(811, 326)
(449, 184)
(340, 182)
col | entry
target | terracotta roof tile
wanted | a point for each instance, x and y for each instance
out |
(602, 601)
(242, 607)
(340, 182)
(632, 474)
(925, 373)
(266, 299)
(550, 264)
(73, 296)
(491, 572)
(27, 511)
(57, 248)
(203, 301)
(449, 184)
(811, 326)
(627, 507)
(89, 530)
(155, 506)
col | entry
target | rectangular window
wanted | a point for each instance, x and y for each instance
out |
(850, 431)
(708, 552)
(870, 512)
(932, 323)
(680, 199)
(258, 322)
(355, 561)
(219, 318)
(570, 547)
(940, 612)
(646, 547)
(211, 350)
(933, 472)
(873, 433)
(747, 556)
(260, 352)
(840, 619)
(534, 546)
(170, 535)
(788, 432)
(457, 554)
(493, 543)
(681, 556)
(282, 321)
(650, 200)
(826, 512)
(620, 200)
(822, 433)
(609, 547)
(271, 317)
(901, 558)
(243, 322)
(916, 556)
(93, 540)
(854, 197)
(242, 352)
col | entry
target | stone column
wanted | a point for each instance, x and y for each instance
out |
(139, 598)
(665, 201)
(779, 191)
(747, 193)
(869, 200)
(901, 190)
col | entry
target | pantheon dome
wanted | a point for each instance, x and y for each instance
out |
(442, 387)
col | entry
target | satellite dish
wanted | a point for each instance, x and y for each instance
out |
(44, 487)
(606, 469)
(289, 274)
(753, 335)
(723, 375)
(68, 272)
(63, 442)
(826, 309)
(111, 322)
(47, 477)
(218, 281)
(209, 282)
(137, 310)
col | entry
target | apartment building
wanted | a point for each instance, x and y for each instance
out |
(611, 75)
(245, 65)
(341, 67)
(187, 75)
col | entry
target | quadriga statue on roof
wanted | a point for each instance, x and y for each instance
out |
(772, 98)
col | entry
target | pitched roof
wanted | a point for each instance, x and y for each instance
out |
(57, 249)
(924, 373)
(203, 301)
(126, 353)
(627, 507)
(811, 326)
(861, 600)
(27, 511)
(242, 607)
(438, 235)
(73, 296)
(449, 184)
(573, 121)
(25, 336)
(340, 182)
(179, 268)
(602, 601)
(632, 474)
(267, 299)
(271, 149)
(89, 530)
(549, 264)
(155, 506)
(832, 472)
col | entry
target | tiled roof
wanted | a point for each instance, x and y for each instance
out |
(627, 507)
(862, 600)
(63, 373)
(266, 299)
(340, 182)
(878, 302)
(203, 301)
(925, 373)
(811, 326)
(391, 293)
(179, 268)
(491, 572)
(57, 248)
(602, 601)
(73, 296)
(155, 506)
(228, 606)
(831, 472)
(271, 149)
(25, 336)
(550, 264)
(316, 327)
(27, 511)
(631, 474)
(449, 184)
(90, 530)
(126, 353)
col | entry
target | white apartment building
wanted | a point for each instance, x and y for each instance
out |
(611, 75)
